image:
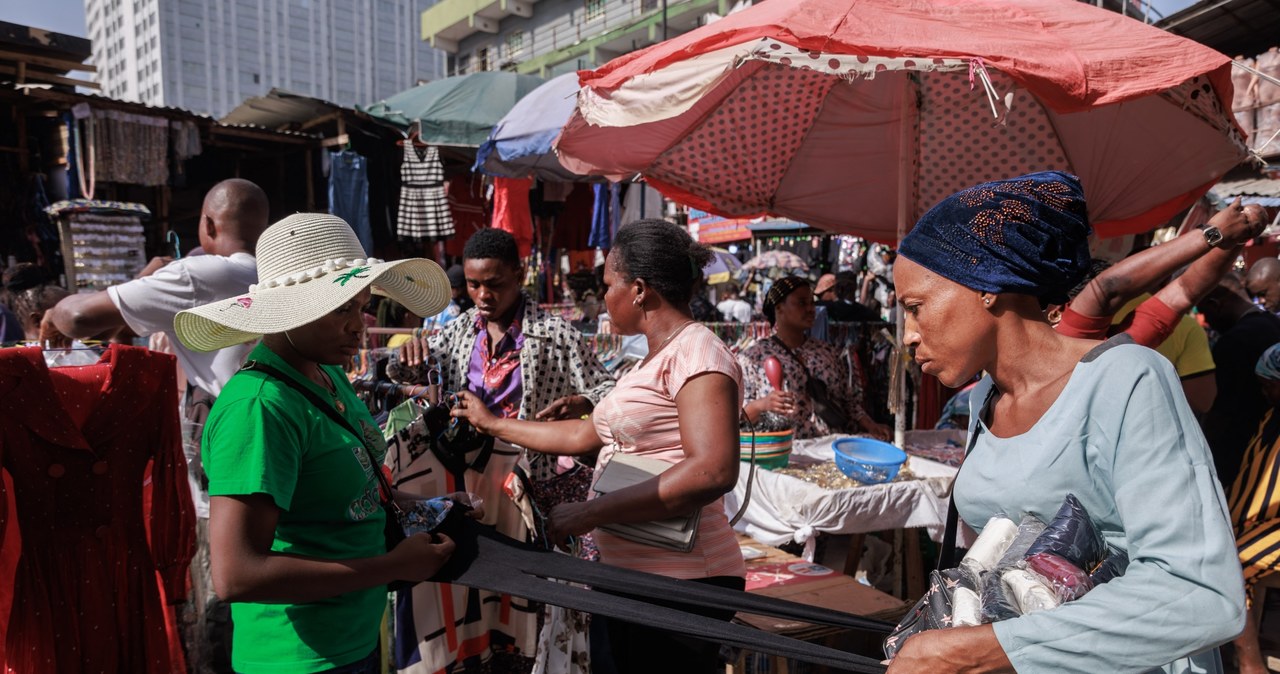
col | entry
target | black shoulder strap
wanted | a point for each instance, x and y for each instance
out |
(946, 556)
(791, 352)
(324, 406)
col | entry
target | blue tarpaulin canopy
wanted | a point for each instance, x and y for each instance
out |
(520, 144)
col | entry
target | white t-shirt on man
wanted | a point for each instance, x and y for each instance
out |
(735, 310)
(149, 304)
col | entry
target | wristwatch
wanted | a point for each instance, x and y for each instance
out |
(1212, 236)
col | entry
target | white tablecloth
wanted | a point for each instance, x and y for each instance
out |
(785, 509)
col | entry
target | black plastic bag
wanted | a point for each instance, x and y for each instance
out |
(1072, 536)
(1113, 567)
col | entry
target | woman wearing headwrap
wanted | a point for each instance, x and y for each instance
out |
(1057, 415)
(789, 307)
(1255, 507)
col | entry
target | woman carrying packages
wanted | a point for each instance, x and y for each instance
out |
(1055, 415)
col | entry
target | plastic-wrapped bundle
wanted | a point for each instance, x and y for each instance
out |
(990, 546)
(1114, 566)
(1015, 570)
(1029, 529)
(1028, 591)
(996, 603)
(966, 605)
(1066, 579)
(1072, 536)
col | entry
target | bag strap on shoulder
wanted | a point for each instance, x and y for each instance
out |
(337, 417)
(946, 556)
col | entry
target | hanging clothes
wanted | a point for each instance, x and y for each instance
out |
(511, 210)
(130, 148)
(605, 215)
(641, 203)
(349, 194)
(424, 207)
(79, 444)
(444, 627)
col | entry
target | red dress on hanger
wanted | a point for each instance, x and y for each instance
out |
(77, 442)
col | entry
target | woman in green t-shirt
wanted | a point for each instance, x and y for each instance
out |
(296, 521)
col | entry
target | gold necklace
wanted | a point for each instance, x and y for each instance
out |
(668, 338)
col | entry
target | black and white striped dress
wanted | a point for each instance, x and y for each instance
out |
(424, 208)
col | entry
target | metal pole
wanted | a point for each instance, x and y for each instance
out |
(906, 198)
(664, 20)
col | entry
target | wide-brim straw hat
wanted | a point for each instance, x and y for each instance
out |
(309, 264)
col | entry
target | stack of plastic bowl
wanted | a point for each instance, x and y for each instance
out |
(868, 461)
(773, 450)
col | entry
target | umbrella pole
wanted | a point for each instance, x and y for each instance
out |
(905, 198)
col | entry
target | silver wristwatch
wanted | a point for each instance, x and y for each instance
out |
(1212, 236)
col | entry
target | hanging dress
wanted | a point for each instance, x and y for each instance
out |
(424, 207)
(83, 445)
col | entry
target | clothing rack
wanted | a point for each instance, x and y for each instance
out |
(733, 333)
(569, 311)
(867, 342)
(379, 333)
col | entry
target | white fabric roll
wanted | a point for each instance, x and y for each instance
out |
(966, 608)
(1028, 591)
(990, 546)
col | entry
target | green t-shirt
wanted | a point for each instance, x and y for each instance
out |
(264, 437)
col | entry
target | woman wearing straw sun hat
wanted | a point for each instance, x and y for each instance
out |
(296, 522)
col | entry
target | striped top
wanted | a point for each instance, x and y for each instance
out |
(1255, 503)
(639, 417)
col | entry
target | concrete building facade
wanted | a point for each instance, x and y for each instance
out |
(552, 37)
(209, 55)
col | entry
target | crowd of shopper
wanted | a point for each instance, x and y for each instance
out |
(1092, 379)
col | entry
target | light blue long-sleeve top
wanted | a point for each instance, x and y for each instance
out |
(1122, 438)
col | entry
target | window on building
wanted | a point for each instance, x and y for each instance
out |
(515, 44)
(482, 59)
(594, 9)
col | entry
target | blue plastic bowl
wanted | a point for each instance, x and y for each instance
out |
(868, 461)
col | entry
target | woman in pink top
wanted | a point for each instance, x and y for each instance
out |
(680, 405)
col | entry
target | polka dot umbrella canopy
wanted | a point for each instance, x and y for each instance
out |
(857, 116)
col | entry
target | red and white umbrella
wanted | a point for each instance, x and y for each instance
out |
(857, 116)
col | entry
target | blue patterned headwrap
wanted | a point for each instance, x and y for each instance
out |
(1026, 235)
(1268, 366)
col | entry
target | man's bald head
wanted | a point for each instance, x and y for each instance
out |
(1263, 282)
(234, 214)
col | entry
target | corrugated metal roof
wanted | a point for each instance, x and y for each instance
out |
(1233, 27)
(280, 109)
(1262, 191)
(43, 92)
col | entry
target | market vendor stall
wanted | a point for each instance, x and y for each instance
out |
(787, 509)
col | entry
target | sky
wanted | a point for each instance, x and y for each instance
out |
(61, 16)
(67, 16)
